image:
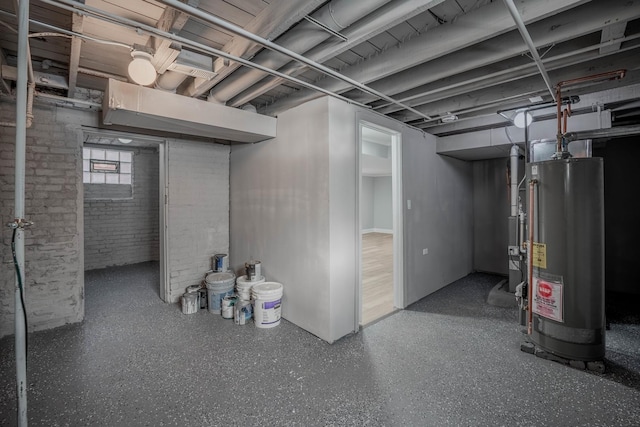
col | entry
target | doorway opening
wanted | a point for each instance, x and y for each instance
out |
(380, 207)
(123, 206)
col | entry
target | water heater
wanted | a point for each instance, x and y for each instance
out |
(568, 257)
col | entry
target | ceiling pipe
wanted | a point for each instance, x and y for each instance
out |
(299, 39)
(74, 7)
(616, 132)
(270, 45)
(170, 80)
(373, 24)
(513, 10)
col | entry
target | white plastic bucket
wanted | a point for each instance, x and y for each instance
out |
(243, 287)
(190, 303)
(228, 302)
(219, 285)
(267, 304)
(242, 312)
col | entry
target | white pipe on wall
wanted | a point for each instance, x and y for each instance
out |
(513, 155)
(20, 157)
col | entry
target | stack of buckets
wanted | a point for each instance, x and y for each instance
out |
(256, 298)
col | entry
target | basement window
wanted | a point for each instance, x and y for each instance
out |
(103, 166)
(107, 174)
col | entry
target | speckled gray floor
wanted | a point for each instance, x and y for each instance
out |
(449, 359)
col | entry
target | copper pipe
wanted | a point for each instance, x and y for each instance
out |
(559, 114)
(532, 185)
(609, 75)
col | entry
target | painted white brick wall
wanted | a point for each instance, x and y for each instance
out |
(53, 247)
(125, 231)
(198, 210)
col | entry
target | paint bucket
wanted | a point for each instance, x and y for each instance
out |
(220, 262)
(219, 285)
(243, 287)
(195, 289)
(254, 270)
(267, 304)
(228, 302)
(189, 303)
(242, 312)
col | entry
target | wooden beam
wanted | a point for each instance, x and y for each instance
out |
(274, 20)
(42, 79)
(612, 32)
(74, 55)
(4, 84)
(166, 51)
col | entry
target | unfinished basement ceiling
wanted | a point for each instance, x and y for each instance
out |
(419, 61)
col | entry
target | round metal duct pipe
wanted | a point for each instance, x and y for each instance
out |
(170, 80)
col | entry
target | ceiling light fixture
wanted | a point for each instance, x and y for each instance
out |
(125, 140)
(141, 70)
(522, 117)
(449, 118)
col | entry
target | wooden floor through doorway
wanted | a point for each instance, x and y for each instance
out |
(377, 276)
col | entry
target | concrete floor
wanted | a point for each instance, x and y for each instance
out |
(449, 359)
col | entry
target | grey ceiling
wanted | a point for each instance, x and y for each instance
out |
(438, 58)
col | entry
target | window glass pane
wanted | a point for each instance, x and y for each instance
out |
(98, 154)
(85, 165)
(86, 177)
(97, 178)
(86, 153)
(125, 178)
(112, 155)
(112, 178)
(125, 167)
(125, 156)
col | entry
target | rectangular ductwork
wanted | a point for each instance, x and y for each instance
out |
(145, 108)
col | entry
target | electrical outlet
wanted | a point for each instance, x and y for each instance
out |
(425, 251)
(408, 204)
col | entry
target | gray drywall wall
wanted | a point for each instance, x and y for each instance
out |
(440, 219)
(366, 203)
(293, 207)
(198, 210)
(280, 213)
(490, 215)
(343, 216)
(119, 231)
(382, 203)
(54, 272)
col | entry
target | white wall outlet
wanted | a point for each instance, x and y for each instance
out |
(409, 204)
(425, 251)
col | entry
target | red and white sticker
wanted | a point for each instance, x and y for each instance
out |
(547, 299)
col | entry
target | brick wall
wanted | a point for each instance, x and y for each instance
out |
(53, 247)
(119, 231)
(198, 210)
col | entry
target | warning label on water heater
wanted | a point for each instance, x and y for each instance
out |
(547, 299)
(539, 255)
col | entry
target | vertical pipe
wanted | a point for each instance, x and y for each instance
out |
(532, 186)
(514, 179)
(559, 118)
(21, 138)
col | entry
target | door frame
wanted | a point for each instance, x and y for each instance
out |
(398, 215)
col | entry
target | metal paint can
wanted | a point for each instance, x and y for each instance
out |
(189, 303)
(242, 312)
(253, 270)
(220, 263)
(228, 303)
